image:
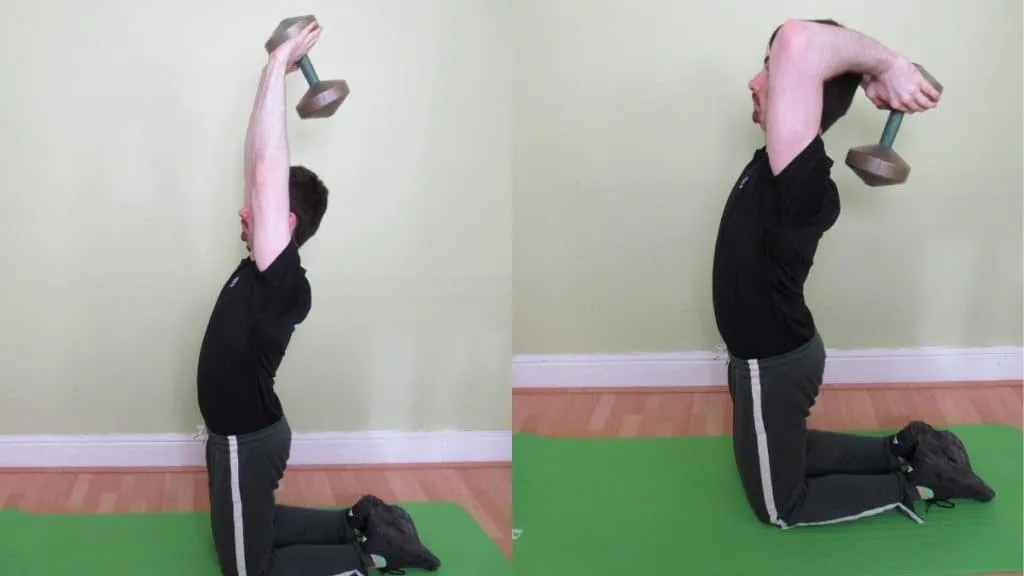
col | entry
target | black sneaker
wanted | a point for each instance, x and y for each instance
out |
(905, 441)
(360, 512)
(391, 534)
(949, 479)
(952, 447)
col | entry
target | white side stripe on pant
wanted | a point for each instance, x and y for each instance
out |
(762, 444)
(764, 463)
(236, 506)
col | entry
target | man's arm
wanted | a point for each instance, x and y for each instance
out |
(267, 166)
(803, 57)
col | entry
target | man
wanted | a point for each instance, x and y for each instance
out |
(249, 441)
(782, 204)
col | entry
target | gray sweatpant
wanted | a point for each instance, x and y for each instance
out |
(255, 536)
(794, 476)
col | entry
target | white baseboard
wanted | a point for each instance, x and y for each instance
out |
(708, 369)
(315, 448)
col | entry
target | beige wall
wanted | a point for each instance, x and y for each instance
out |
(121, 153)
(632, 121)
(618, 126)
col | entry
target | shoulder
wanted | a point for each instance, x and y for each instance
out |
(284, 283)
(803, 192)
(810, 167)
(279, 312)
(284, 269)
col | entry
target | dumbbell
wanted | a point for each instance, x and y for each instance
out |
(878, 164)
(324, 97)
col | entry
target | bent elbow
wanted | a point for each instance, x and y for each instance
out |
(791, 40)
(794, 51)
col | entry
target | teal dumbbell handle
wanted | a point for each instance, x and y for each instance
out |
(306, 65)
(892, 127)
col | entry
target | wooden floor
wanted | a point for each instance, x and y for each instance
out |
(707, 411)
(698, 412)
(485, 491)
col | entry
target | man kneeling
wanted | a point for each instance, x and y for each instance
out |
(778, 210)
(249, 442)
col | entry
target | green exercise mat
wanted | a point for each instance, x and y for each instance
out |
(178, 544)
(584, 507)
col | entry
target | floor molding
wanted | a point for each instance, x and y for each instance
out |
(308, 449)
(708, 369)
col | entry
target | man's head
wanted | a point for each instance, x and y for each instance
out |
(307, 196)
(836, 98)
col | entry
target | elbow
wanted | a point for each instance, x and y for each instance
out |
(791, 39)
(793, 49)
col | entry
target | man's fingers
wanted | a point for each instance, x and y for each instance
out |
(929, 90)
(311, 38)
(924, 101)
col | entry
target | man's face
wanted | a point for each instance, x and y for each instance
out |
(758, 86)
(245, 219)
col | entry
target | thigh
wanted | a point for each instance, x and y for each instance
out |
(788, 388)
(242, 507)
(783, 446)
(770, 433)
(750, 441)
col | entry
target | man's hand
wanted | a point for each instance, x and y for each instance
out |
(901, 87)
(292, 50)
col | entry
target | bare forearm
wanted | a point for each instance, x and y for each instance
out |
(833, 50)
(267, 158)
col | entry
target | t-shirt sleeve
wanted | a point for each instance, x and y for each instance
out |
(283, 292)
(804, 195)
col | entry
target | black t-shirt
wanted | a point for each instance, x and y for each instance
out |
(246, 339)
(767, 240)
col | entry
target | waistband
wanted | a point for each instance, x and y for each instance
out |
(813, 346)
(276, 429)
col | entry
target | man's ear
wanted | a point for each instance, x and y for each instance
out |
(292, 221)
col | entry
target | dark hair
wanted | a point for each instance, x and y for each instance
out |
(838, 92)
(308, 197)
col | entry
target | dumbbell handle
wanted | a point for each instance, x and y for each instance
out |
(892, 125)
(306, 65)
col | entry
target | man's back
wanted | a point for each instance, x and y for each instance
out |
(766, 243)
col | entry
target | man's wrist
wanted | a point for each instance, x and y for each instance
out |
(277, 62)
(887, 59)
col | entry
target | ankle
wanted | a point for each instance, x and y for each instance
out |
(353, 522)
(901, 448)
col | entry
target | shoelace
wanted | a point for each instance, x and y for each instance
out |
(938, 504)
